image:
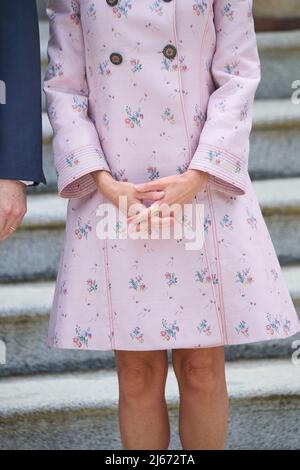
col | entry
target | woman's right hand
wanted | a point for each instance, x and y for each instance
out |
(112, 190)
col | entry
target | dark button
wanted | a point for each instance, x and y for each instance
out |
(167, 0)
(170, 51)
(116, 58)
(112, 3)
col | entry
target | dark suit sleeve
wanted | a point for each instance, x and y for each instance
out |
(20, 117)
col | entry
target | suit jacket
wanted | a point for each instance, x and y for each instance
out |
(20, 117)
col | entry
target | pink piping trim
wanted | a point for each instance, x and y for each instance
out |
(199, 162)
(109, 301)
(180, 83)
(187, 134)
(221, 296)
(201, 49)
(230, 155)
(237, 182)
(88, 148)
(219, 318)
(208, 263)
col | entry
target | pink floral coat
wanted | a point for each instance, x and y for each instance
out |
(146, 89)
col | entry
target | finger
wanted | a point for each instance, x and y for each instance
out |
(139, 227)
(7, 231)
(6, 220)
(141, 217)
(135, 208)
(150, 186)
(142, 227)
(153, 195)
(153, 224)
(144, 215)
(13, 222)
(162, 222)
(3, 220)
(16, 222)
(157, 222)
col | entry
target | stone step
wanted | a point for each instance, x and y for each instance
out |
(41, 7)
(275, 140)
(279, 54)
(276, 14)
(276, 8)
(78, 411)
(33, 252)
(24, 315)
(274, 151)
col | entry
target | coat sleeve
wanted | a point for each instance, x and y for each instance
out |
(76, 144)
(223, 148)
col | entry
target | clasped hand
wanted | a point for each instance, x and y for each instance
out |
(163, 192)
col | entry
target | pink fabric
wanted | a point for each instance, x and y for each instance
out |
(150, 117)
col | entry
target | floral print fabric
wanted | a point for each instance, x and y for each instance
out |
(147, 117)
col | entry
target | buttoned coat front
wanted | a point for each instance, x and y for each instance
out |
(146, 89)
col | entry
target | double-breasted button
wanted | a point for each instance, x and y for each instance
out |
(116, 58)
(169, 51)
(112, 3)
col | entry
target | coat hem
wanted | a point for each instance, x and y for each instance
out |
(178, 346)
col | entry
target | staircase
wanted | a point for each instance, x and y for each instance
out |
(64, 399)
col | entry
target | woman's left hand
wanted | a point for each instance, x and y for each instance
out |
(178, 189)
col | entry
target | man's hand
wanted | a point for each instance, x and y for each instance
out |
(12, 206)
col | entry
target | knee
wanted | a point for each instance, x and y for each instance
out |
(201, 377)
(139, 379)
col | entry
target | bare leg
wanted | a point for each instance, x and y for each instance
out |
(203, 409)
(144, 422)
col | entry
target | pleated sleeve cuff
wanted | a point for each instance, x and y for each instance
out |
(227, 172)
(74, 171)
